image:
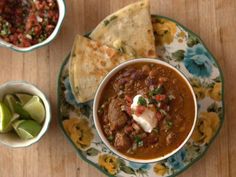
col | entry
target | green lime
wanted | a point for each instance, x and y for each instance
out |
(10, 101)
(22, 112)
(23, 97)
(27, 129)
(15, 117)
(5, 118)
(15, 106)
(36, 109)
(16, 124)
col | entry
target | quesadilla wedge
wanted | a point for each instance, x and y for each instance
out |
(89, 62)
(128, 30)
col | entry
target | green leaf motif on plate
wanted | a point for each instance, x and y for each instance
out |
(127, 170)
(192, 40)
(217, 79)
(92, 152)
(208, 91)
(215, 108)
(121, 162)
(178, 55)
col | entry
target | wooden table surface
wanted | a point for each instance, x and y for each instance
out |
(213, 20)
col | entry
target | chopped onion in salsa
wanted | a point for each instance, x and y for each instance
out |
(27, 22)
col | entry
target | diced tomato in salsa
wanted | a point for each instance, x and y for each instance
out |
(26, 24)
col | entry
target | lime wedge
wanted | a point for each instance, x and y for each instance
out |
(23, 98)
(19, 110)
(16, 124)
(36, 109)
(27, 129)
(15, 107)
(15, 116)
(10, 101)
(5, 118)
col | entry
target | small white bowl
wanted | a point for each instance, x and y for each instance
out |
(11, 139)
(62, 12)
(96, 104)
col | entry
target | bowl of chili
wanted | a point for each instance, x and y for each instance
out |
(29, 24)
(145, 110)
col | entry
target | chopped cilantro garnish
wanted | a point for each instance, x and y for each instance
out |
(163, 112)
(5, 29)
(100, 111)
(169, 123)
(152, 101)
(142, 101)
(155, 130)
(140, 144)
(156, 91)
(138, 141)
(110, 138)
(171, 97)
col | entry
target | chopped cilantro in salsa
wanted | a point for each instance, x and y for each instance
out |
(26, 23)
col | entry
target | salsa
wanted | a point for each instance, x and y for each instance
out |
(27, 22)
(146, 110)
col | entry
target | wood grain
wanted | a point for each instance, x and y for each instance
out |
(213, 20)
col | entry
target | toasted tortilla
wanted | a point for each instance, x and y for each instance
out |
(128, 30)
(89, 63)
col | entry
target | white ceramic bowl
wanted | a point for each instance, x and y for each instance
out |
(98, 95)
(62, 11)
(11, 139)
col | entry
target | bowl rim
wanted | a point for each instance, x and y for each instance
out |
(48, 116)
(62, 12)
(98, 95)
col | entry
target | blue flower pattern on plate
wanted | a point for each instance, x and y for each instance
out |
(69, 95)
(194, 59)
(176, 161)
(71, 99)
(198, 61)
(138, 166)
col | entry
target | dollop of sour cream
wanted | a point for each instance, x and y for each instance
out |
(147, 119)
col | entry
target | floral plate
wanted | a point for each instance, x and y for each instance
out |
(184, 50)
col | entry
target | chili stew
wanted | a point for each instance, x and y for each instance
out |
(146, 110)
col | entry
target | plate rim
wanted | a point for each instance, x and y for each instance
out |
(222, 116)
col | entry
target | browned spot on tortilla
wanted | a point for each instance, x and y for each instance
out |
(110, 52)
(151, 53)
(99, 44)
(103, 63)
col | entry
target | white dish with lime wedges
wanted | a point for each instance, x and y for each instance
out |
(24, 114)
